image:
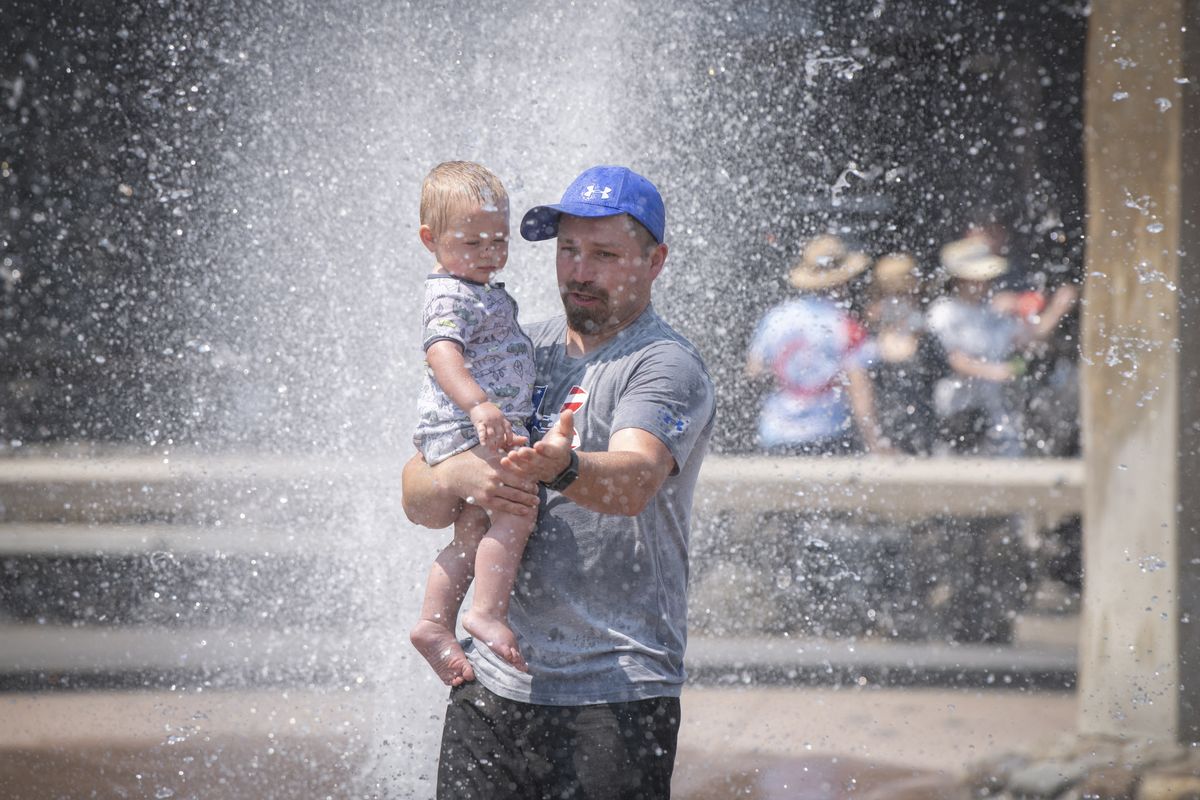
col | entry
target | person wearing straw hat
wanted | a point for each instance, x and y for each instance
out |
(818, 355)
(985, 345)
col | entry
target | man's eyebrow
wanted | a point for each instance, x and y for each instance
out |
(603, 245)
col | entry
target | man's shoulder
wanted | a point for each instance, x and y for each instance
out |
(944, 313)
(650, 331)
(546, 331)
(657, 340)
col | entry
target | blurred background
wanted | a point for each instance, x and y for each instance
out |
(209, 270)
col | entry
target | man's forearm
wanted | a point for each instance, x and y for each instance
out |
(621, 480)
(996, 372)
(862, 406)
(621, 483)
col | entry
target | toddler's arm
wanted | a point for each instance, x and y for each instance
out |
(994, 371)
(445, 358)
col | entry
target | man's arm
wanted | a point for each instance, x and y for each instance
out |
(433, 496)
(1060, 303)
(755, 368)
(622, 481)
(862, 406)
(996, 372)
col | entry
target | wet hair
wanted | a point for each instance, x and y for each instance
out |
(642, 235)
(456, 185)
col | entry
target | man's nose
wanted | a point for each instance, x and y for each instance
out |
(582, 269)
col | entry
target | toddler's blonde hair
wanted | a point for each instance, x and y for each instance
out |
(454, 185)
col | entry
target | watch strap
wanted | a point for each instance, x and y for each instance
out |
(565, 478)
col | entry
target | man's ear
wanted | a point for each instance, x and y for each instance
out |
(658, 257)
(427, 237)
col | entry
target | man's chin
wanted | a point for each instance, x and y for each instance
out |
(583, 320)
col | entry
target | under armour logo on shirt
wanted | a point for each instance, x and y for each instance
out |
(591, 192)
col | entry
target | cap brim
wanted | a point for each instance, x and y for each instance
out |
(541, 222)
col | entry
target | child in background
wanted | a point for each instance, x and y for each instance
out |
(823, 402)
(985, 343)
(909, 359)
(476, 394)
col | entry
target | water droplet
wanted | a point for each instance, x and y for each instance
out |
(1119, 96)
(1162, 103)
(164, 792)
(1155, 227)
(1151, 563)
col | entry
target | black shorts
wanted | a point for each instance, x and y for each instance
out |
(493, 748)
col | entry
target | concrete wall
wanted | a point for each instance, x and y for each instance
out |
(1141, 493)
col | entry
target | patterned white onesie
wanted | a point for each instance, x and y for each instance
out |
(482, 318)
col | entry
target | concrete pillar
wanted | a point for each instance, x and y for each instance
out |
(1139, 663)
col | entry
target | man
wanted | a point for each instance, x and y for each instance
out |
(624, 408)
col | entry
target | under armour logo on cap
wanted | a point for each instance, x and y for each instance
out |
(591, 192)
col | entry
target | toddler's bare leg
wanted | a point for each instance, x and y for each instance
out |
(496, 563)
(451, 574)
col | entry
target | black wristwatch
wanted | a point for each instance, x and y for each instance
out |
(565, 478)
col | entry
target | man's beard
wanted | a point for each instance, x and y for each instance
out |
(586, 320)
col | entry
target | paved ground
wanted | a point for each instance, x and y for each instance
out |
(369, 734)
(802, 744)
(828, 743)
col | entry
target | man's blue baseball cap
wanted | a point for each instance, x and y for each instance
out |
(601, 192)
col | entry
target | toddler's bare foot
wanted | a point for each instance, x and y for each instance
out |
(442, 651)
(493, 632)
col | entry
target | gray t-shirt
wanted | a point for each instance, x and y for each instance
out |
(600, 604)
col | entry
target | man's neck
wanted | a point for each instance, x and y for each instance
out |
(580, 344)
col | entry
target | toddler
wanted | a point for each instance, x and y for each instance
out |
(476, 394)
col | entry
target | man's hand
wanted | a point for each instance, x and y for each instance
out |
(550, 456)
(621, 480)
(491, 426)
(483, 480)
(433, 496)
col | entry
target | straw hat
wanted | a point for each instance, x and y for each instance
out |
(827, 263)
(896, 273)
(971, 259)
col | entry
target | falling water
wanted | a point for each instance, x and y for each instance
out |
(316, 269)
(252, 275)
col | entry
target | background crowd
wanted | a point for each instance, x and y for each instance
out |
(886, 355)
